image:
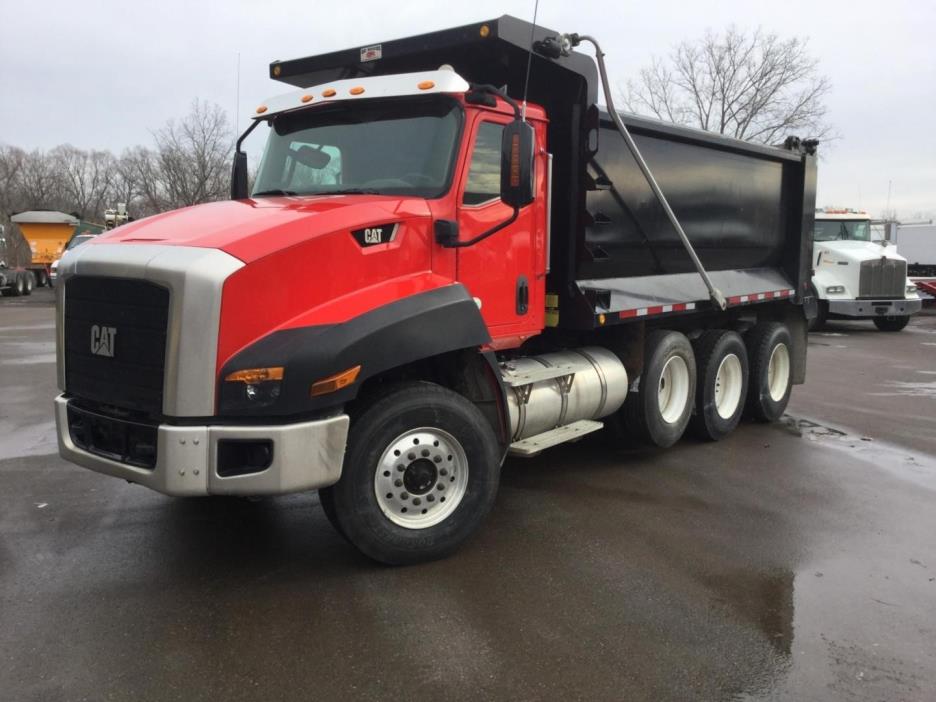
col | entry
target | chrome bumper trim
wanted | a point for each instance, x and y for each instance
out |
(306, 455)
(869, 308)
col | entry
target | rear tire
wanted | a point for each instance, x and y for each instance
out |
(420, 474)
(27, 283)
(891, 324)
(659, 410)
(19, 286)
(721, 389)
(769, 354)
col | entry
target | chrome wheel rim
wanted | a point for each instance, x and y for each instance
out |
(728, 381)
(421, 478)
(673, 390)
(778, 372)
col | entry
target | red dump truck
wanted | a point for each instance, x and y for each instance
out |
(430, 274)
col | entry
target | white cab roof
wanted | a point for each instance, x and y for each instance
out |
(422, 83)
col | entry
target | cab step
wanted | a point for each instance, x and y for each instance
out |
(560, 435)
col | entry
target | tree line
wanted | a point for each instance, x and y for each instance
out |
(188, 162)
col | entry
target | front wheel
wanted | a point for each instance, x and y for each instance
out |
(420, 474)
(891, 324)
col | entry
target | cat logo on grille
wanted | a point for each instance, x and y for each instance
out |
(102, 340)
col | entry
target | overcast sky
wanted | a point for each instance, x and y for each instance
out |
(102, 74)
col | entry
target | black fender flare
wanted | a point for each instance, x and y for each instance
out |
(417, 327)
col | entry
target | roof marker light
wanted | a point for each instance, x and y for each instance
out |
(484, 31)
(356, 90)
(261, 109)
(306, 98)
(329, 92)
(426, 85)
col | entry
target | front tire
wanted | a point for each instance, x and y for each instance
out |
(769, 354)
(721, 390)
(420, 474)
(891, 324)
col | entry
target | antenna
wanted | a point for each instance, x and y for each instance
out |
(526, 80)
(237, 96)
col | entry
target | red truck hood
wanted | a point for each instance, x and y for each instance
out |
(252, 229)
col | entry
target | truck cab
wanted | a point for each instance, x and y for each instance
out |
(856, 277)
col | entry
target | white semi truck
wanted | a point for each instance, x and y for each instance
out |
(857, 278)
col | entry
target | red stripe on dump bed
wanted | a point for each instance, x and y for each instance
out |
(687, 306)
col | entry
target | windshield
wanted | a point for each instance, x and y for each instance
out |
(837, 230)
(78, 241)
(389, 148)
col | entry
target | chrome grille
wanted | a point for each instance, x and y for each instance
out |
(884, 277)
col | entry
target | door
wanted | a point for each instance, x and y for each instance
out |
(500, 271)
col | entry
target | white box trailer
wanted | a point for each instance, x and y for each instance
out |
(917, 244)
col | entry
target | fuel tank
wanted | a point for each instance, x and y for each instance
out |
(586, 383)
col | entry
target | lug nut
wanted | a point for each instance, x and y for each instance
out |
(437, 459)
(425, 453)
(416, 501)
(430, 498)
(440, 486)
(412, 456)
(404, 495)
(444, 471)
(398, 482)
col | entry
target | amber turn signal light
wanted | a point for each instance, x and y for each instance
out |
(251, 376)
(333, 383)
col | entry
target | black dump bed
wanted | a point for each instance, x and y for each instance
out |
(746, 208)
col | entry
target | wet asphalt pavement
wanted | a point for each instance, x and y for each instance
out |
(794, 561)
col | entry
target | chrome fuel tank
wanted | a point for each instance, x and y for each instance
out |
(555, 389)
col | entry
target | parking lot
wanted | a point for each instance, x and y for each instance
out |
(791, 561)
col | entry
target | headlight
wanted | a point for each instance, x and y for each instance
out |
(260, 387)
(835, 289)
(911, 288)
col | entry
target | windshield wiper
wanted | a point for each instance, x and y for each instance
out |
(275, 191)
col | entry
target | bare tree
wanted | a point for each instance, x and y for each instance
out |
(753, 86)
(39, 185)
(190, 164)
(86, 179)
(193, 156)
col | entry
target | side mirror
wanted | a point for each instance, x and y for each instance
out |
(517, 147)
(239, 176)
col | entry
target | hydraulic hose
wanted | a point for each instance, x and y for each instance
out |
(714, 293)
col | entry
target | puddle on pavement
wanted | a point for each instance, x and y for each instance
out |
(29, 360)
(907, 389)
(32, 440)
(904, 463)
(28, 327)
(26, 348)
